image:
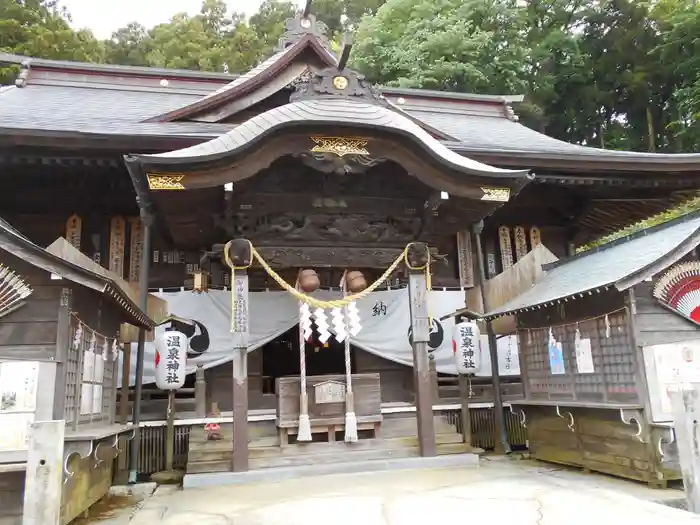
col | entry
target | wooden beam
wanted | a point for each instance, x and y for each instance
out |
(348, 41)
(307, 8)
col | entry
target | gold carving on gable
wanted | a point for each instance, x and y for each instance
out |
(340, 145)
(495, 194)
(165, 182)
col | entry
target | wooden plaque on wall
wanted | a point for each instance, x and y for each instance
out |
(135, 249)
(520, 242)
(505, 245)
(465, 260)
(117, 239)
(74, 230)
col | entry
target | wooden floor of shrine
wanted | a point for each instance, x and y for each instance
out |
(397, 439)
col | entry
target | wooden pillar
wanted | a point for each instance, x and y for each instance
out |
(170, 432)
(418, 298)
(434, 384)
(240, 256)
(685, 403)
(63, 344)
(44, 480)
(501, 445)
(135, 446)
(124, 394)
(465, 415)
(200, 392)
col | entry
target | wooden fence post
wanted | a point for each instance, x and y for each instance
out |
(685, 402)
(44, 482)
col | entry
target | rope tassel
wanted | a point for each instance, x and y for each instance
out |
(350, 418)
(304, 433)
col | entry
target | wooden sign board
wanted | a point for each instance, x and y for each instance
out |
(520, 242)
(464, 260)
(74, 230)
(135, 249)
(506, 250)
(329, 392)
(117, 239)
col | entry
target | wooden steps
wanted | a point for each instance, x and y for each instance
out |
(311, 454)
(398, 440)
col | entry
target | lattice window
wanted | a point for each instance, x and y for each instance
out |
(89, 376)
(614, 377)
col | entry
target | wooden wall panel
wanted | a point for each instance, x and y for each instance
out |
(11, 497)
(30, 331)
(657, 325)
(396, 379)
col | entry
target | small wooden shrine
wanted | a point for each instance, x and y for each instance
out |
(603, 336)
(59, 353)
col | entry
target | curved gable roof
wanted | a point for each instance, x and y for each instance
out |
(251, 80)
(323, 111)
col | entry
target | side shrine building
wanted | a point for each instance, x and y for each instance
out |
(151, 172)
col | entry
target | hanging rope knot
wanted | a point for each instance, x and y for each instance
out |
(242, 260)
(318, 303)
(418, 258)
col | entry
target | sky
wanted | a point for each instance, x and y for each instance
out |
(106, 16)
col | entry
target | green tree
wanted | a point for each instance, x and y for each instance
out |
(212, 40)
(679, 23)
(452, 45)
(268, 23)
(128, 46)
(40, 28)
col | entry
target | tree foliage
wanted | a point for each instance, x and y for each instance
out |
(616, 74)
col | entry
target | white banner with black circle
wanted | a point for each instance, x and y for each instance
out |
(384, 316)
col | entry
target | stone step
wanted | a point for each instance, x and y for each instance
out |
(224, 465)
(227, 443)
(407, 426)
(222, 451)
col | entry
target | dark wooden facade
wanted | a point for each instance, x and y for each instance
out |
(42, 331)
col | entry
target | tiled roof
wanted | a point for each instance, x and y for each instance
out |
(65, 102)
(606, 266)
(20, 246)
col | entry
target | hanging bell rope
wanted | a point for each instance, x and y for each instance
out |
(350, 417)
(312, 301)
(304, 432)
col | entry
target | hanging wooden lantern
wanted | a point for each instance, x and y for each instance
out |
(309, 281)
(201, 281)
(356, 281)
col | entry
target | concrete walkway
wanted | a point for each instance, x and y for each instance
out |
(500, 491)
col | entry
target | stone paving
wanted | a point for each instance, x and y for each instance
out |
(499, 491)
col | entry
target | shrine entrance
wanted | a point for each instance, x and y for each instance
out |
(280, 358)
(341, 181)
